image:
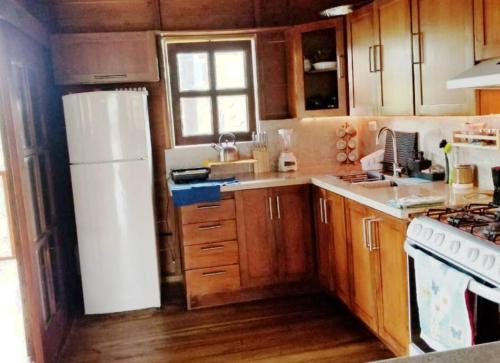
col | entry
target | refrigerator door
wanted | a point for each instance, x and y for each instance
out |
(116, 236)
(107, 126)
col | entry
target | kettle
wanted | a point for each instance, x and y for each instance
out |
(227, 147)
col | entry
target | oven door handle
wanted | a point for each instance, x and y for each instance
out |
(477, 288)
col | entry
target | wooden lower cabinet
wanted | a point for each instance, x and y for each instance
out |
(379, 282)
(323, 241)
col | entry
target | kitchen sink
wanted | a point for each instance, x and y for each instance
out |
(375, 184)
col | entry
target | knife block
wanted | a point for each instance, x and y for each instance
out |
(262, 164)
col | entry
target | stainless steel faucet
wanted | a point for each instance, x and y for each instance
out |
(396, 169)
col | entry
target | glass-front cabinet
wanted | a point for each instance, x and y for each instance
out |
(317, 69)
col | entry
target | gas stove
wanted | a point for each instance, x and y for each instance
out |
(481, 220)
(467, 237)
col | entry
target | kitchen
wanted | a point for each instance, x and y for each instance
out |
(280, 180)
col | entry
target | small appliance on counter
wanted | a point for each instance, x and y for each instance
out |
(417, 163)
(287, 160)
(190, 175)
(227, 148)
(495, 171)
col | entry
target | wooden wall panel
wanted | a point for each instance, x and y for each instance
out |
(207, 14)
(271, 12)
(82, 16)
(488, 102)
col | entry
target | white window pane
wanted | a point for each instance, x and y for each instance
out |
(196, 116)
(233, 113)
(230, 70)
(193, 71)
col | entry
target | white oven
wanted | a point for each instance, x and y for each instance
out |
(477, 258)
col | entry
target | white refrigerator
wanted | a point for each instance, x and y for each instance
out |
(111, 172)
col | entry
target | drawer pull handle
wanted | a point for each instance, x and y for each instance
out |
(209, 206)
(212, 248)
(215, 226)
(109, 76)
(214, 273)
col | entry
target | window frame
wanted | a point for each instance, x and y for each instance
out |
(211, 47)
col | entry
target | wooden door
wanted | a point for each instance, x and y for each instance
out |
(293, 233)
(339, 255)
(392, 57)
(32, 132)
(443, 47)
(255, 216)
(323, 240)
(363, 265)
(361, 71)
(273, 86)
(487, 29)
(389, 235)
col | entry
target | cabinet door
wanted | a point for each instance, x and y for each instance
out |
(388, 238)
(392, 57)
(442, 48)
(323, 239)
(363, 262)
(293, 233)
(339, 256)
(105, 58)
(255, 215)
(360, 61)
(273, 87)
(487, 29)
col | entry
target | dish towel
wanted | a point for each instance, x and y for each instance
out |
(443, 304)
(416, 201)
(202, 192)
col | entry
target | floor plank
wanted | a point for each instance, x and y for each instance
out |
(300, 329)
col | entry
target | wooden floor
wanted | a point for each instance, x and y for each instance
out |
(299, 329)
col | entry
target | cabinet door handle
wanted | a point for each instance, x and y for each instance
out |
(270, 201)
(377, 58)
(370, 222)
(214, 226)
(109, 76)
(370, 59)
(278, 210)
(211, 248)
(325, 213)
(365, 234)
(321, 210)
(209, 206)
(214, 273)
(417, 39)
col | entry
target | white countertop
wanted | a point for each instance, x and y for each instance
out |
(375, 198)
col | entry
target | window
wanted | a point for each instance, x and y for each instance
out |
(212, 90)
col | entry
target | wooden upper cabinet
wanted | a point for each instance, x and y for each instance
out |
(392, 57)
(361, 71)
(317, 93)
(443, 47)
(293, 233)
(102, 58)
(487, 29)
(273, 85)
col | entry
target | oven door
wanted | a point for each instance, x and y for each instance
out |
(485, 298)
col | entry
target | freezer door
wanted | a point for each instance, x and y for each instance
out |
(116, 236)
(107, 126)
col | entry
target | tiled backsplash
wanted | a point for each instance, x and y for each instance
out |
(315, 139)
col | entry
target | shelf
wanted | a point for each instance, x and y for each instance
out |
(237, 162)
(460, 138)
(316, 71)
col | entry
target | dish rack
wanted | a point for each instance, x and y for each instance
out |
(483, 139)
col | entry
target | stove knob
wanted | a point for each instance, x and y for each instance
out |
(439, 239)
(488, 261)
(455, 246)
(427, 234)
(473, 254)
(416, 229)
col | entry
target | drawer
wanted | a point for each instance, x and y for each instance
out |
(213, 280)
(208, 212)
(211, 255)
(198, 233)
